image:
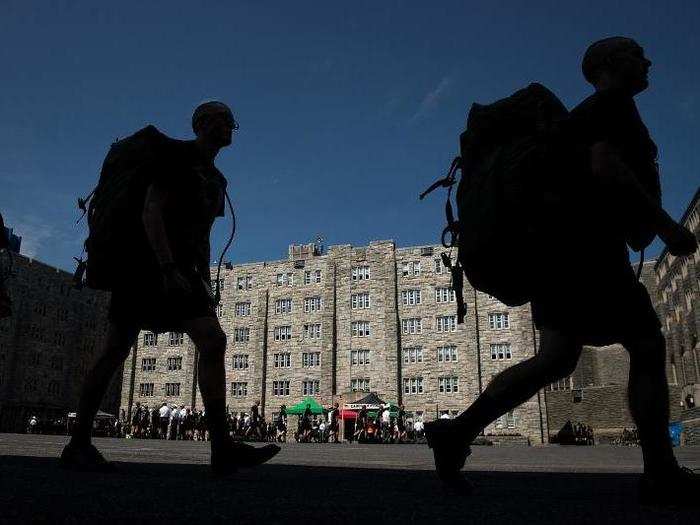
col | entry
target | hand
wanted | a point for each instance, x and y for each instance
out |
(174, 282)
(679, 240)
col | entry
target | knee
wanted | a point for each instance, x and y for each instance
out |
(649, 351)
(560, 366)
(213, 344)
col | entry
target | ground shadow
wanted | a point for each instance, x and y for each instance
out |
(37, 489)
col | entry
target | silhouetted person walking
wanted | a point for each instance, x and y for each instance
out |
(612, 201)
(171, 292)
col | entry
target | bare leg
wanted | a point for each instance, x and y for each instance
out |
(226, 455)
(210, 340)
(556, 359)
(115, 351)
(648, 400)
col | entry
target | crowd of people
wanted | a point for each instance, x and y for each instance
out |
(183, 423)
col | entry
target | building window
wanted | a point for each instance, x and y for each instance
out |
(312, 304)
(57, 362)
(241, 335)
(360, 273)
(310, 359)
(439, 266)
(283, 306)
(310, 387)
(174, 363)
(359, 300)
(239, 389)
(413, 385)
(280, 388)
(148, 364)
(412, 355)
(448, 385)
(221, 284)
(285, 278)
(410, 297)
(360, 328)
(412, 326)
(359, 357)
(359, 384)
(282, 360)
(239, 361)
(244, 283)
(54, 388)
(150, 339)
(176, 339)
(172, 389)
(447, 354)
(146, 390)
(566, 383)
(505, 421)
(219, 310)
(283, 333)
(312, 276)
(445, 295)
(312, 331)
(446, 323)
(501, 351)
(498, 321)
(411, 268)
(242, 309)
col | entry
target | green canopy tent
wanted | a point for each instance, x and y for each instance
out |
(299, 408)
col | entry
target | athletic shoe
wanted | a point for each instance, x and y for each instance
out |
(84, 458)
(231, 456)
(679, 487)
(449, 450)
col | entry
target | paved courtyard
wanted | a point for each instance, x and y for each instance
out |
(168, 482)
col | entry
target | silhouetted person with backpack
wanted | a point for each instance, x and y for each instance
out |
(610, 199)
(165, 282)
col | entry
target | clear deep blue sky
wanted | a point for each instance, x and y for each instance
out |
(347, 109)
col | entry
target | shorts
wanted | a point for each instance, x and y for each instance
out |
(598, 300)
(145, 305)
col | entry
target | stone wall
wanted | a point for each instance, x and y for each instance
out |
(386, 370)
(48, 345)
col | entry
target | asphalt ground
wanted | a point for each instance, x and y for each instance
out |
(170, 482)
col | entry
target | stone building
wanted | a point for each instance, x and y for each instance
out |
(678, 284)
(337, 325)
(48, 344)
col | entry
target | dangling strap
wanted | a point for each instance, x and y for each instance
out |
(217, 294)
(78, 282)
(82, 204)
(457, 284)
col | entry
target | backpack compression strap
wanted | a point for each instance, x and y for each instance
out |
(217, 294)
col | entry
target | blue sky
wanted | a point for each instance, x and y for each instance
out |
(347, 110)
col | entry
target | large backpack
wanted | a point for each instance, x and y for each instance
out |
(510, 153)
(116, 241)
(505, 150)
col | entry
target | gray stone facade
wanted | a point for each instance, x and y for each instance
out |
(48, 345)
(404, 363)
(677, 280)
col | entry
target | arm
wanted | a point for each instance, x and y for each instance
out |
(155, 226)
(610, 170)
